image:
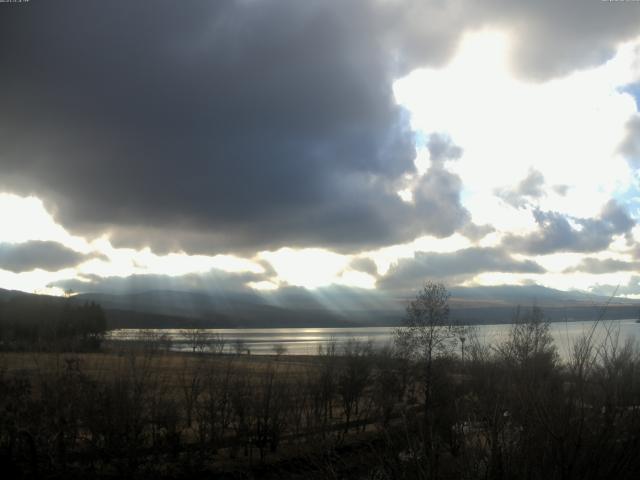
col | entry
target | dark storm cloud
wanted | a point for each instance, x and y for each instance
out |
(553, 38)
(476, 232)
(631, 288)
(454, 267)
(215, 282)
(630, 147)
(24, 257)
(213, 126)
(561, 189)
(227, 126)
(556, 234)
(364, 265)
(441, 148)
(437, 193)
(597, 266)
(550, 38)
(529, 189)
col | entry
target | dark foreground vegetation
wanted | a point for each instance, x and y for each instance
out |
(436, 404)
(32, 322)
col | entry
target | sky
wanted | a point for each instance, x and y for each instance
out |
(365, 145)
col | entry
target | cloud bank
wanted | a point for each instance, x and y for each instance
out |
(51, 256)
(248, 127)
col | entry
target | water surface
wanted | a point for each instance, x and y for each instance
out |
(306, 341)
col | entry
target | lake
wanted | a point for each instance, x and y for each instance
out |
(305, 341)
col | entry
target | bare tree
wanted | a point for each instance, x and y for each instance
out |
(214, 410)
(426, 333)
(196, 339)
(191, 383)
(326, 381)
(217, 343)
(279, 349)
(529, 343)
(353, 377)
(239, 346)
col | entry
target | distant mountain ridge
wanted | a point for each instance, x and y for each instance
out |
(199, 308)
(297, 307)
(336, 307)
(516, 294)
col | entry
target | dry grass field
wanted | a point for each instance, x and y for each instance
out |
(133, 407)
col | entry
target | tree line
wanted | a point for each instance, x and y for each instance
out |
(42, 323)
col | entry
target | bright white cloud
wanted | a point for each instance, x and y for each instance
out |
(36, 281)
(264, 285)
(385, 257)
(25, 218)
(309, 267)
(569, 128)
(122, 262)
(353, 278)
(313, 268)
(129, 261)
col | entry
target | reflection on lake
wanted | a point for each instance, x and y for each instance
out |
(305, 341)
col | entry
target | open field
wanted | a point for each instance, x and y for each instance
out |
(124, 409)
(102, 365)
